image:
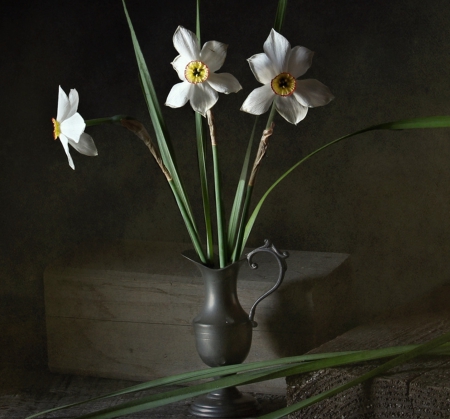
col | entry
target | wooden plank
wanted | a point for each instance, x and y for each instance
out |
(125, 309)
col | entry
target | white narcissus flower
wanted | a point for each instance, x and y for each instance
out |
(196, 68)
(69, 126)
(278, 68)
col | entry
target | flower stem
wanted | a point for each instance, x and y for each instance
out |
(197, 21)
(219, 210)
(281, 13)
(108, 120)
(201, 152)
(239, 198)
(238, 248)
(263, 144)
(273, 110)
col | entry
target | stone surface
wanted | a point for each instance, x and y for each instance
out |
(417, 389)
(25, 392)
(124, 309)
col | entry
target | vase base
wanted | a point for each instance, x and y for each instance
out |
(225, 403)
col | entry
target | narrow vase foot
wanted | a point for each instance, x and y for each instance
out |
(225, 403)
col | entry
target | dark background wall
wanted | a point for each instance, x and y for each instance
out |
(384, 197)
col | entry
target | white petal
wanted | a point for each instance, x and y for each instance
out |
(179, 64)
(262, 68)
(179, 94)
(224, 83)
(290, 109)
(213, 55)
(65, 143)
(203, 98)
(312, 93)
(277, 49)
(63, 105)
(73, 102)
(186, 43)
(85, 146)
(259, 100)
(73, 127)
(300, 59)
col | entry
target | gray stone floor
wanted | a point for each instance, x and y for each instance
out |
(23, 393)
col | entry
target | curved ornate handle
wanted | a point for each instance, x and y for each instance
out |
(280, 257)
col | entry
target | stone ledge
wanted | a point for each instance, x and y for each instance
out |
(124, 309)
(418, 389)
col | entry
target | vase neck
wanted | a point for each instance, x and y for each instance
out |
(220, 289)
(221, 284)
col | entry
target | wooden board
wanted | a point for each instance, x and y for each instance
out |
(124, 309)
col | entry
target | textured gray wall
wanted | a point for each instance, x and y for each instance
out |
(382, 198)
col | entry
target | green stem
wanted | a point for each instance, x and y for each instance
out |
(219, 210)
(263, 144)
(201, 152)
(221, 233)
(108, 120)
(239, 248)
(273, 111)
(239, 197)
(281, 13)
(197, 21)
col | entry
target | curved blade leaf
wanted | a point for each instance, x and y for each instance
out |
(426, 122)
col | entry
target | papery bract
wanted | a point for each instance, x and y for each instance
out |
(69, 126)
(196, 68)
(278, 68)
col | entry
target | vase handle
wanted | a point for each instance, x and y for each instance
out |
(280, 257)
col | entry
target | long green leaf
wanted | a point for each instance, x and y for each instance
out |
(272, 369)
(189, 226)
(414, 123)
(172, 396)
(427, 122)
(156, 116)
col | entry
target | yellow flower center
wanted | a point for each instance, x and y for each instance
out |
(196, 72)
(56, 128)
(284, 84)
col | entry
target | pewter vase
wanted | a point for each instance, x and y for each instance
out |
(223, 332)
